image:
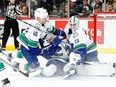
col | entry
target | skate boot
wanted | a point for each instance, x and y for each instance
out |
(70, 70)
(15, 66)
(6, 83)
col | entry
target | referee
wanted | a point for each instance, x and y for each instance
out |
(12, 12)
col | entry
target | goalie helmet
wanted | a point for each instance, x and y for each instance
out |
(41, 15)
(74, 23)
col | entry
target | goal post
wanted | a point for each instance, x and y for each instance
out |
(105, 31)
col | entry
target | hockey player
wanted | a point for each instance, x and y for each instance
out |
(82, 47)
(3, 77)
(32, 39)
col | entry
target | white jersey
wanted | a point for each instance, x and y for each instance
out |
(31, 36)
(80, 39)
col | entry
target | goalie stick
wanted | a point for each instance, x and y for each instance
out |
(23, 73)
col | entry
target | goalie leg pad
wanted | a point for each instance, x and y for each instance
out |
(92, 57)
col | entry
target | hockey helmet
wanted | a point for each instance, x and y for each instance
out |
(41, 15)
(74, 23)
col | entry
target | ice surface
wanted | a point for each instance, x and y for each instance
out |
(18, 80)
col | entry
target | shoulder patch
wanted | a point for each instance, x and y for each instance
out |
(37, 25)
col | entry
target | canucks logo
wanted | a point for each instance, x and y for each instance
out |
(37, 25)
(75, 34)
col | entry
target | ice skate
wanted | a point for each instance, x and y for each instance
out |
(70, 71)
(6, 83)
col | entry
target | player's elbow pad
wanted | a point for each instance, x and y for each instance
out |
(35, 51)
(60, 33)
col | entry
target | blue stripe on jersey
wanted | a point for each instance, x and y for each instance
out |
(81, 49)
(35, 51)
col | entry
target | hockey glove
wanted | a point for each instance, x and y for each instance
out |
(59, 32)
(70, 47)
(56, 41)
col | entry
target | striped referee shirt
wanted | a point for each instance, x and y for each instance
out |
(11, 12)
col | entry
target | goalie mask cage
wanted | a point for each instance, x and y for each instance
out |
(105, 32)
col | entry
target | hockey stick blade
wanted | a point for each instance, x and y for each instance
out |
(23, 73)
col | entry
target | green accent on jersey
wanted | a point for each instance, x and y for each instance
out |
(28, 42)
(1, 66)
(33, 44)
(23, 38)
(53, 29)
(91, 46)
(80, 46)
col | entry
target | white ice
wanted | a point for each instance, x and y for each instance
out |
(18, 80)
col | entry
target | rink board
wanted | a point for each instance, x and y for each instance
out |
(95, 69)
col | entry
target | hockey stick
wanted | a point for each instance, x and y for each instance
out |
(23, 73)
(9, 56)
(42, 31)
(31, 25)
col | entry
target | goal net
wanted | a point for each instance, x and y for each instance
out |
(105, 33)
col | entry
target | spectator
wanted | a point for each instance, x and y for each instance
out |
(39, 3)
(33, 5)
(3, 4)
(99, 2)
(110, 1)
(47, 4)
(114, 6)
(97, 8)
(22, 3)
(75, 8)
(96, 2)
(109, 7)
(86, 9)
(72, 12)
(24, 11)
